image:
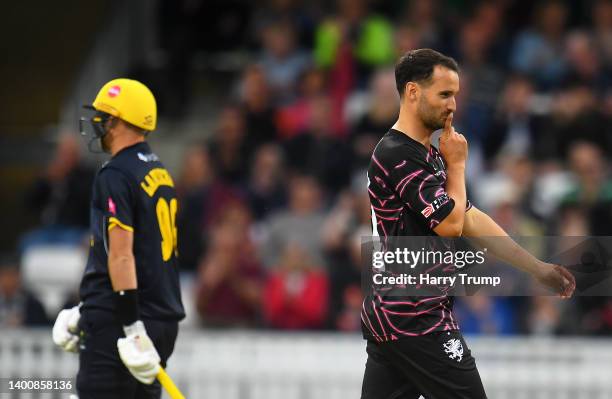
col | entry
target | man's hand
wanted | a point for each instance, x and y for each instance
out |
(557, 278)
(66, 330)
(453, 145)
(453, 148)
(138, 353)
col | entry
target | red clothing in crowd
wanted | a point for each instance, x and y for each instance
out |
(296, 300)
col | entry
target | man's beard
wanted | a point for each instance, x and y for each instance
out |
(428, 115)
(105, 143)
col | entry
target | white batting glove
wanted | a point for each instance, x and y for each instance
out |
(138, 353)
(66, 330)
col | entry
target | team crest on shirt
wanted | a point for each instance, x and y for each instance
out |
(454, 349)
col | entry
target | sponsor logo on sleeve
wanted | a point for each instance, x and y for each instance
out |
(111, 206)
(435, 205)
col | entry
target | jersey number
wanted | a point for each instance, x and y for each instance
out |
(166, 216)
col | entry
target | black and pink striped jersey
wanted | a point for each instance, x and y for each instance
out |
(406, 186)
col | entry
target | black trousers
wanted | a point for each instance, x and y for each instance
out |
(102, 374)
(437, 366)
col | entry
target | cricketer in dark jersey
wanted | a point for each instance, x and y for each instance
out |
(407, 335)
(406, 186)
(132, 191)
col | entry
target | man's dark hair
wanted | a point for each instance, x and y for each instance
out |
(418, 66)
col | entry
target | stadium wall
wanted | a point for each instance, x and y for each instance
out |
(271, 365)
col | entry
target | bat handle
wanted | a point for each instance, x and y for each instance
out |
(168, 384)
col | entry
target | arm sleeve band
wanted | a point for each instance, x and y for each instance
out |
(126, 305)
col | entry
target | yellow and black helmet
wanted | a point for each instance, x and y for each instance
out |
(128, 100)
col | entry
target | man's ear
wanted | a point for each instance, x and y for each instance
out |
(411, 91)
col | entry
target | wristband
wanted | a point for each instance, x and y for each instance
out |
(126, 306)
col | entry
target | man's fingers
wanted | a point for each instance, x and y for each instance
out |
(448, 124)
(568, 282)
(73, 344)
(571, 280)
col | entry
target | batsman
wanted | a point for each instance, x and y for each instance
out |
(127, 322)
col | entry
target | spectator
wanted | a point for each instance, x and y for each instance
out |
(345, 282)
(602, 30)
(259, 113)
(509, 216)
(203, 198)
(352, 212)
(201, 195)
(350, 45)
(422, 16)
(18, 306)
(317, 151)
(348, 223)
(592, 184)
(576, 117)
(406, 38)
(296, 293)
(524, 217)
(229, 283)
(584, 63)
(511, 129)
(368, 36)
(61, 196)
(545, 315)
(265, 190)
(382, 112)
(515, 130)
(301, 223)
(301, 15)
(538, 51)
(491, 18)
(228, 148)
(295, 118)
(281, 61)
(481, 83)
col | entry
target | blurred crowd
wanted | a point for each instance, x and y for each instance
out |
(274, 201)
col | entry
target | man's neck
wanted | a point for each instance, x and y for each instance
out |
(411, 126)
(123, 142)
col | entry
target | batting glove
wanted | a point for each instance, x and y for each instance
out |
(66, 330)
(138, 353)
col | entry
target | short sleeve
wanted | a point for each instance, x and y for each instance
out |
(116, 198)
(422, 189)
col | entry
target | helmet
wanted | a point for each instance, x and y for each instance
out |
(128, 100)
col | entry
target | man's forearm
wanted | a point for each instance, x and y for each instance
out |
(455, 186)
(486, 233)
(122, 271)
(452, 225)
